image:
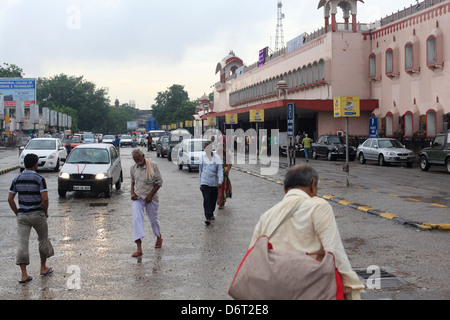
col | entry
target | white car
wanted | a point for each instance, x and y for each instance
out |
(190, 153)
(51, 153)
(108, 139)
(91, 168)
(126, 140)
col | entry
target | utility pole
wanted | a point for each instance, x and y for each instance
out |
(279, 39)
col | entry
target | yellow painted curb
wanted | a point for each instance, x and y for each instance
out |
(344, 202)
(364, 208)
(388, 215)
(440, 226)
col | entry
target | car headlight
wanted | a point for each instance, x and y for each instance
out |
(390, 153)
(101, 176)
(64, 175)
(52, 156)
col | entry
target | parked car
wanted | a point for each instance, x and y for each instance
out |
(332, 147)
(51, 153)
(126, 140)
(91, 168)
(176, 137)
(88, 138)
(190, 153)
(75, 141)
(162, 147)
(156, 135)
(108, 139)
(437, 154)
(385, 151)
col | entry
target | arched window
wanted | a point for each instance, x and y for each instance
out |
(431, 50)
(409, 56)
(321, 69)
(372, 66)
(315, 72)
(389, 61)
(304, 76)
(309, 76)
(431, 123)
(409, 127)
(389, 124)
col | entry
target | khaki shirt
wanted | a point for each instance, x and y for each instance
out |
(142, 187)
(312, 229)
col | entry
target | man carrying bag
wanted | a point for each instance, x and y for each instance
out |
(305, 258)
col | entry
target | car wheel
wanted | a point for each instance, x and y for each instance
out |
(157, 153)
(62, 193)
(361, 158)
(381, 161)
(329, 156)
(189, 168)
(424, 165)
(56, 169)
(447, 165)
(119, 182)
(180, 166)
(108, 191)
(314, 154)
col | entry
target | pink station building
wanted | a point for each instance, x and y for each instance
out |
(399, 66)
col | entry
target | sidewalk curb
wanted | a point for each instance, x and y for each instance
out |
(364, 208)
(3, 171)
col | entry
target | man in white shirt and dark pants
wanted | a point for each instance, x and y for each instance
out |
(210, 178)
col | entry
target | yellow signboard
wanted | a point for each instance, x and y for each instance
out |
(257, 115)
(231, 118)
(188, 123)
(211, 121)
(346, 107)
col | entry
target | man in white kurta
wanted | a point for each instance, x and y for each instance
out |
(312, 228)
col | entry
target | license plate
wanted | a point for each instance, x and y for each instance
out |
(403, 158)
(81, 188)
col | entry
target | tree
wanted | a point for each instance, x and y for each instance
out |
(11, 71)
(173, 105)
(90, 103)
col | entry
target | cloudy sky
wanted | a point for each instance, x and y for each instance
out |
(137, 48)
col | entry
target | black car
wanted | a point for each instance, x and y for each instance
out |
(162, 146)
(332, 147)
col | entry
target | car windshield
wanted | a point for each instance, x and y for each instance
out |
(125, 137)
(389, 144)
(88, 136)
(84, 155)
(157, 134)
(197, 146)
(336, 140)
(75, 140)
(108, 137)
(165, 139)
(41, 145)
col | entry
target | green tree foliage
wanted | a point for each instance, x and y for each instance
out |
(173, 105)
(90, 103)
(10, 71)
(117, 118)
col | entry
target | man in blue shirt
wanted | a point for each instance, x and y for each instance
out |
(32, 213)
(210, 178)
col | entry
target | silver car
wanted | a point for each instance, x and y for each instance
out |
(385, 151)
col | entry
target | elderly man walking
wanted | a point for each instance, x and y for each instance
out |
(146, 180)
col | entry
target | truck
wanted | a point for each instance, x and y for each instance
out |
(438, 154)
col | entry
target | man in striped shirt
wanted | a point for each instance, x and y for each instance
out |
(32, 213)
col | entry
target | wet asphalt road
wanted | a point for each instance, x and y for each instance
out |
(92, 238)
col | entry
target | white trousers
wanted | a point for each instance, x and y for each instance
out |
(139, 208)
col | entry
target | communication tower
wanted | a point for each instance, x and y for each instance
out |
(279, 38)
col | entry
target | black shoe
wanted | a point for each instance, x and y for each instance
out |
(207, 222)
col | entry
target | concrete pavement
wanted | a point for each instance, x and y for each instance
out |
(408, 211)
(405, 210)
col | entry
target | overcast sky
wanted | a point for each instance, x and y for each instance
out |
(137, 48)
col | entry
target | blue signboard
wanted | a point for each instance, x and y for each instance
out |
(150, 125)
(373, 127)
(15, 88)
(290, 119)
